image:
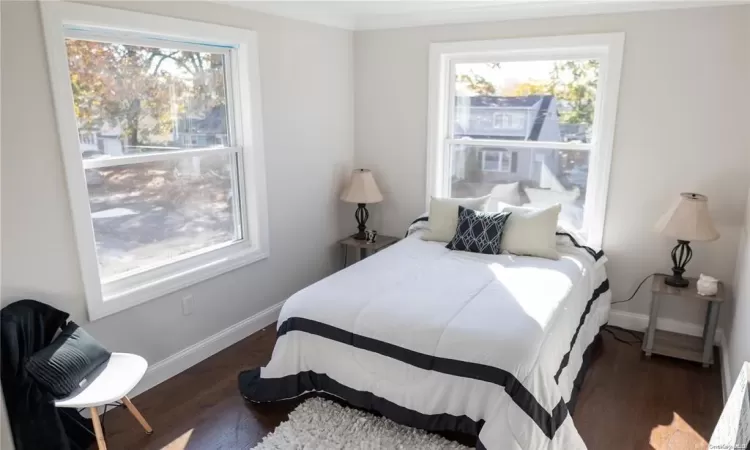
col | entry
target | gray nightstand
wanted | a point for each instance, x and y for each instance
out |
(677, 345)
(363, 249)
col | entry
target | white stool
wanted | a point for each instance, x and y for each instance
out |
(110, 383)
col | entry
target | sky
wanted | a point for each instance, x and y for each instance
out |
(509, 74)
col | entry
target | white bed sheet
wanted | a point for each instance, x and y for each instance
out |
(417, 302)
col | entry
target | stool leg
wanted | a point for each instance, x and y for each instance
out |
(137, 414)
(98, 429)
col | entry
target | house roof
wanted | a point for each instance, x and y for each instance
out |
(526, 101)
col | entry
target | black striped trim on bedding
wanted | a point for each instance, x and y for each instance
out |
(597, 255)
(264, 390)
(604, 287)
(547, 422)
(257, 389)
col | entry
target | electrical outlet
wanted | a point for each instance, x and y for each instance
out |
(187, 305)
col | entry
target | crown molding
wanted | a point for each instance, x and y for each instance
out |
(369, 15)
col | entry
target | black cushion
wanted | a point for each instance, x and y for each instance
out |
(62, 367)
(478, 232)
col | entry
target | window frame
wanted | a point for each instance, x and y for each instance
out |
(245, 125)
(605, 47)
(503, 154)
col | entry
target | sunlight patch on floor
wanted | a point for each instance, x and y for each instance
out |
(181, 442)
(678, 435)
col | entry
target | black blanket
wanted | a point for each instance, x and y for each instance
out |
(27, 327)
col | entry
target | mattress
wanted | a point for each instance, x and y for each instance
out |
(490, 345)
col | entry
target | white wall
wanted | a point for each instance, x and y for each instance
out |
(678, 65)
(738, 327)
(307, 90)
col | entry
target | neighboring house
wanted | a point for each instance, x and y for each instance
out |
(527, 118)
(103, 142)
(189, 132)
(207, 131)
(476, 169)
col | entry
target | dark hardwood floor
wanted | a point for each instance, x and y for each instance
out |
(627, 402)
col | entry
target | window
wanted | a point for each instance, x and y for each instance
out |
(496, 161)
(510, 121)
(161, 137)
(539, 112)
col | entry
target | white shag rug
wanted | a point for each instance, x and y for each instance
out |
(319, 424)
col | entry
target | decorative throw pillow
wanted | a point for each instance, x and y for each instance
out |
(531, 231)
(478, 232)
(62, 367)
(443, 216)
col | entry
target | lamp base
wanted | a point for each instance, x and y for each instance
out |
(361, 215)
(676, 281)
(681, 255)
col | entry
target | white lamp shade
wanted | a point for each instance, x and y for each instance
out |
(688, 220)
(362, 188)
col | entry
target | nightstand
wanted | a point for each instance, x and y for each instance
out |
(677, 345)
(362, 249)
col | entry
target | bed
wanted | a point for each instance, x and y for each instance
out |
(494, 346)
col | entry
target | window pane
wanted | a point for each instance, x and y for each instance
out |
(131, 99)
(550, 101)
(149, 214)
(535, 177)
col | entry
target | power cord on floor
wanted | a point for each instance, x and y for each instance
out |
(611, 330)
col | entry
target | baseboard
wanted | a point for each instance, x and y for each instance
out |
(190, 356)
(639, 322)
(726, 373)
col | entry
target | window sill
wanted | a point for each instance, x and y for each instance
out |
(129, 297)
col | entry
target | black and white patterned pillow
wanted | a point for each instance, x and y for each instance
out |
(478, 232)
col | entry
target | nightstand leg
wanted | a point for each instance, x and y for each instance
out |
(648, 344)
(706, 321)
(710, 332)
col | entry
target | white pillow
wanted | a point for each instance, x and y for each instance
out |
(531, 231)
(504, 194)
(443, 218)
(550, 197)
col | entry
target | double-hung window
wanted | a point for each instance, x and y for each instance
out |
(160, 130)
(537, 112)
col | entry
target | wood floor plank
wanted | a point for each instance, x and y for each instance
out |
(627, 403)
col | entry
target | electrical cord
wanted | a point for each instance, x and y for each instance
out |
(636, 290)
(611, 330)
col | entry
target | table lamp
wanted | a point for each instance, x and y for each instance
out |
(688, 220)
(361, 190)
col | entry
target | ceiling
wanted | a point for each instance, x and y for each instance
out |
(364, 15)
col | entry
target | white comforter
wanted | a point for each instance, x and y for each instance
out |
(443, 339)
